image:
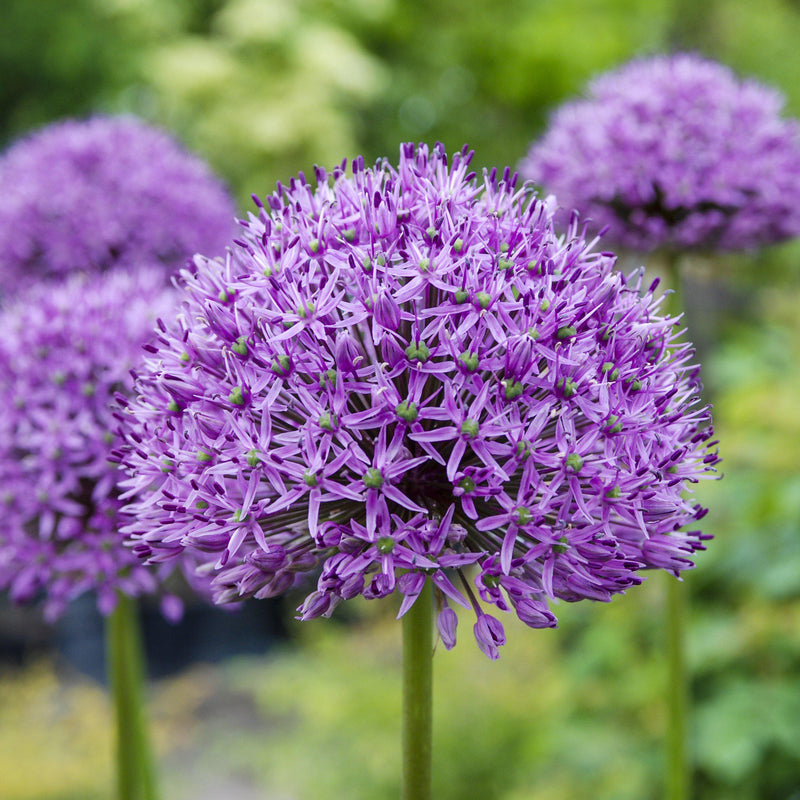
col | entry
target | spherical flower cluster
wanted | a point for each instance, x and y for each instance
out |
(64, 351)
(406, 375)
(675, 152)
(103, 192)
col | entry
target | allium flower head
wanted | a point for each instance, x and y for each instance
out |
(64, 351)
(108, 191)
(405, 375)
(675, 152)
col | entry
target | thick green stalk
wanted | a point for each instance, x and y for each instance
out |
(418, 697)
(135, 777)
(677, 693)
(677, 755)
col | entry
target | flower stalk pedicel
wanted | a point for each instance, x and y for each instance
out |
(418, 697)
(135, 778)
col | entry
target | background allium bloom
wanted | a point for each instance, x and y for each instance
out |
(675, 152)
(406, 375)
(64, 352)
(108, 191)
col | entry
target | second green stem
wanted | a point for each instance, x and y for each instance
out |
(677, 692)
(677, 751)
(135, 778)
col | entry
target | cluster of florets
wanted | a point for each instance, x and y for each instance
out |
(64, 352)
(675, 152)
(405, 375)
(106, 192)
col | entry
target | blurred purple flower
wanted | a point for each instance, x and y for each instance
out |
(675, 152)
(406, 375)
(64, 351)
(108, 191)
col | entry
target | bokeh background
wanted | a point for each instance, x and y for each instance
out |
(276, 710)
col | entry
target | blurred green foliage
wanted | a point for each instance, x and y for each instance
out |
(264, 88)
(58, 59)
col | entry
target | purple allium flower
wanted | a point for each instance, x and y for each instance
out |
(675, 152)
(64, 351)
(405, 375)
(108, 191)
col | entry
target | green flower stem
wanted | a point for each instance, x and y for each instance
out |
(673, 303)
(678, 773)
(677, 692)
(135, 777)
(418, 697)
